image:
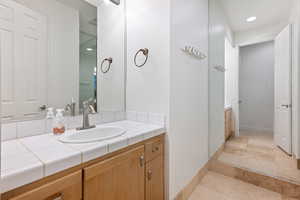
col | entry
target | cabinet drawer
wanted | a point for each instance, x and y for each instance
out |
(66, 188)
(153, 149)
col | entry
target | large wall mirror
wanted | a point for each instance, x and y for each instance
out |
(58, 52)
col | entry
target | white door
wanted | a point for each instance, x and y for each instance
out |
(23, 51)
(283, 102)
(8, 66)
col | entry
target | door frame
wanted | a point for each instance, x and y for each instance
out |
(291, 86)
(295, 91)
(295, 88)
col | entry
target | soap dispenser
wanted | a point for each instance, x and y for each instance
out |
(59, 122)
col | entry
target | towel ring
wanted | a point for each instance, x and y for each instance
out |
(109, 60)
(145, 53)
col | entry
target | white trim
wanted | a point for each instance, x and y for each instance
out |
(295, 94)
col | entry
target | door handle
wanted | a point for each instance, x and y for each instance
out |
(142, 160)
(149, 175)
(43, 107)
(285, 105)
(155, 149)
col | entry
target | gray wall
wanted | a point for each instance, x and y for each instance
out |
(257, 87)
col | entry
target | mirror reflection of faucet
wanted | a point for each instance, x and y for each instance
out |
(87, 108)
(71, 108)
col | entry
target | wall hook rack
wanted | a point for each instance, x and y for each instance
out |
(195, 52)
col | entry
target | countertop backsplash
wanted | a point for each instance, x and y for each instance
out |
(22, 129)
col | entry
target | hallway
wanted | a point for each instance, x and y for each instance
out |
(250, 167)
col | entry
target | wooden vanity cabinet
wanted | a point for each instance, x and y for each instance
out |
(118, 178)
(134, 175)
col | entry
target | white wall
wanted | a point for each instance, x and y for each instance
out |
(218, 30)
(111, 43)
(257, 87)
(63, 50)
(232, 81)
(188, 133)
(148, 26)
(262, 34)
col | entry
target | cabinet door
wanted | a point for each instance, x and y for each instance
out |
(155, 179)
(66, 188)
(119, 178)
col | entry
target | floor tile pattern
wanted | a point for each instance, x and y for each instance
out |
(215, 186)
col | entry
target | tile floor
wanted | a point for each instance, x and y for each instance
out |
(257, 152)
(215, 186)
(254, 152)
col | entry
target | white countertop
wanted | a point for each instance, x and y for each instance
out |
(29, 159)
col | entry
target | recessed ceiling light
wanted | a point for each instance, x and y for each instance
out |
(251, 19)
(89, 49)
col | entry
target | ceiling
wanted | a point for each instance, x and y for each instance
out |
(268, 12)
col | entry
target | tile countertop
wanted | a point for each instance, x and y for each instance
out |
(29, 159)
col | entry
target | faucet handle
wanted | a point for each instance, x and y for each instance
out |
(92, 109)
(68, 107)
(89, 105)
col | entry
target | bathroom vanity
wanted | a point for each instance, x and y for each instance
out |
(133, 172)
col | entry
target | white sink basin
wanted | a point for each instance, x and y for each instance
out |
(93, 135)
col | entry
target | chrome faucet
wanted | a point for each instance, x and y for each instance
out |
(87, 109)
